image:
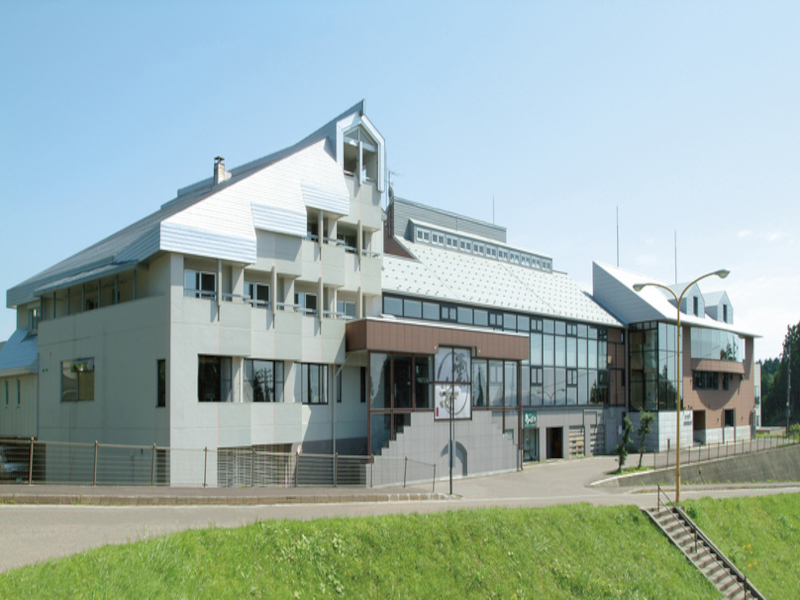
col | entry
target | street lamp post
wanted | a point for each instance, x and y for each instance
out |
(722, 274)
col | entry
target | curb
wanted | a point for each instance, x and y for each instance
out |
(131, 500)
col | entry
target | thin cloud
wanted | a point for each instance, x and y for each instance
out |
(743, 234)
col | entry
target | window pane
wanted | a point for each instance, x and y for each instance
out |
(430, 311)
(69, 383)
(380, 430)
(561, 386)
(549, 387)
(402, 381)
(479, 383)
(561, 351)
(412, 309)
(480, 317)
(583, 389)
(423, 366)
(496, 383)
(464, 315)
(393, 306)
(209, 379)
(511, 384)
(536, 348)
(379, 379)
(523, 323)
(548, 343)
(509, 322)
(572, 352)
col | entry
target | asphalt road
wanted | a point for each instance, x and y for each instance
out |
(33, 533)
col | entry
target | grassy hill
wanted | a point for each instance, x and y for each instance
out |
(575, 551)
(760, 535)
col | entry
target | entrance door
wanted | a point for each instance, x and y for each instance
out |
(530, 444)
(555, 442)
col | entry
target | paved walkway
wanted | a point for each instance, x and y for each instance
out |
(78, 518)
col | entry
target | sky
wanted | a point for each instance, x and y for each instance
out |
(549, 118)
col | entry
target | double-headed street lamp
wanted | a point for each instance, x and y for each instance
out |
(722, 274)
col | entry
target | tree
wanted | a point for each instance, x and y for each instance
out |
(645, 427)
(621, 449)
(774, 380)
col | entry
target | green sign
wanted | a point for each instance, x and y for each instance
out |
(529, 419)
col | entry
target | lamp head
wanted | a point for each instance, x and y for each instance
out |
(722, 273)
(639, 286)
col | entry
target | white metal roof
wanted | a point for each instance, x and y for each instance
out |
(475, 280)
(650, 304)
(19, 355)
(272, 194)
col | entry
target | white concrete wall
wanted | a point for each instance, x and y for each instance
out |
(18, 420)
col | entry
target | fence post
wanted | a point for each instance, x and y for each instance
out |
(433, 489)
(405, 472)
(253, 466)
(371, 468)
(153, 467)
(94, 475)
(205, 467)
(668, 451)
(336, 470)
(30, 465)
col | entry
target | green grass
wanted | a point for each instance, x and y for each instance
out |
(575, 551)
(760, 535)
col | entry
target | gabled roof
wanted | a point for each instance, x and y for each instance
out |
(20, 354)
(271, 193)
(613, 289)
(443, 274)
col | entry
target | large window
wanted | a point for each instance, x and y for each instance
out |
(214, 379)
(312, 384)
(263, 381)
(716, 345)
(77, 380)
(199, 284)
(705, 380)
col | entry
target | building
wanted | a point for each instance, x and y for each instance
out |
(717, 375)
(293, 303)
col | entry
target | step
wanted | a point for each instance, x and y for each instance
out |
(730, 586)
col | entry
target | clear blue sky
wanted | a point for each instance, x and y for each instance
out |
(683, 114)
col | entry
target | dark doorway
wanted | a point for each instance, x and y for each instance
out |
(699, 419)
(555, 442)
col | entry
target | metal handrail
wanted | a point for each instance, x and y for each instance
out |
(721, 557)
(691, 527)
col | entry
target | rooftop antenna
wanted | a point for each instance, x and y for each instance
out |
(618, 236)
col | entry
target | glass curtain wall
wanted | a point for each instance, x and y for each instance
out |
(652, 359)
(399, 384)
(568, 364)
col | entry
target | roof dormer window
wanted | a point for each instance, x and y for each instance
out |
(360, 155)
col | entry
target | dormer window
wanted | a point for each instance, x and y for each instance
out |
(361, 155)
(724, 313)
(695, 306)
(33, 320)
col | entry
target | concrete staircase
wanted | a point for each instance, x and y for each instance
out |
(702, 553)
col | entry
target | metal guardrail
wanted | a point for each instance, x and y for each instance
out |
(716, 451)
(37, 462)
